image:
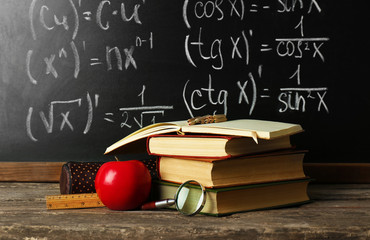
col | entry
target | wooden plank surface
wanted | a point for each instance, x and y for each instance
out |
(321, 172)
(339, 172)
(338, 212)
(30, 171)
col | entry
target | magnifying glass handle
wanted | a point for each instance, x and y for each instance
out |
(158, 204)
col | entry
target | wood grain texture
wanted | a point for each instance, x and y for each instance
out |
(321, 172)
(30, 171)
(338, 172)
(337, 212)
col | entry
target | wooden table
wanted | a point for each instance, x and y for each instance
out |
(338, 212)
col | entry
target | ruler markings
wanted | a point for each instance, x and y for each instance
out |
(70, 201)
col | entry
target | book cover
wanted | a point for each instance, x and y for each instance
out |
(216, 172)
(211, 146)
(226, 201)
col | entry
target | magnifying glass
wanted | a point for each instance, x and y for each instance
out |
(189, 199)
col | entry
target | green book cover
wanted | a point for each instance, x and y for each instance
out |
(229, 200)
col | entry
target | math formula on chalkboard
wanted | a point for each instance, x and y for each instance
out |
(241, 45)
(87, 73)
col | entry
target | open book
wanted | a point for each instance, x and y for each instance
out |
(241, 127)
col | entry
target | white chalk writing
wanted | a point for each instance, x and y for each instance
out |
(217, 38)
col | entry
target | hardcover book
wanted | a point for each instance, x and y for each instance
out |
(216, 172)
(211, 146)
(225, 201)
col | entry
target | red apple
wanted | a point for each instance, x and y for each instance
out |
(123, 185)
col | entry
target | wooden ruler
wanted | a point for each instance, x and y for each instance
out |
(68, 201)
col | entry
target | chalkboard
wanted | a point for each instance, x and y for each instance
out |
(78, 75)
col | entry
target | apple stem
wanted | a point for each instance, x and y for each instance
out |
(116, 158)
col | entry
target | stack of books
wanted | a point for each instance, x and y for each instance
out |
(244, 164)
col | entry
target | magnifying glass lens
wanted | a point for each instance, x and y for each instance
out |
(190, 198)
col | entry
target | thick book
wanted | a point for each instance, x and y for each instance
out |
(215, 173)
(226, 201)
(256, 129)
(211, 146)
